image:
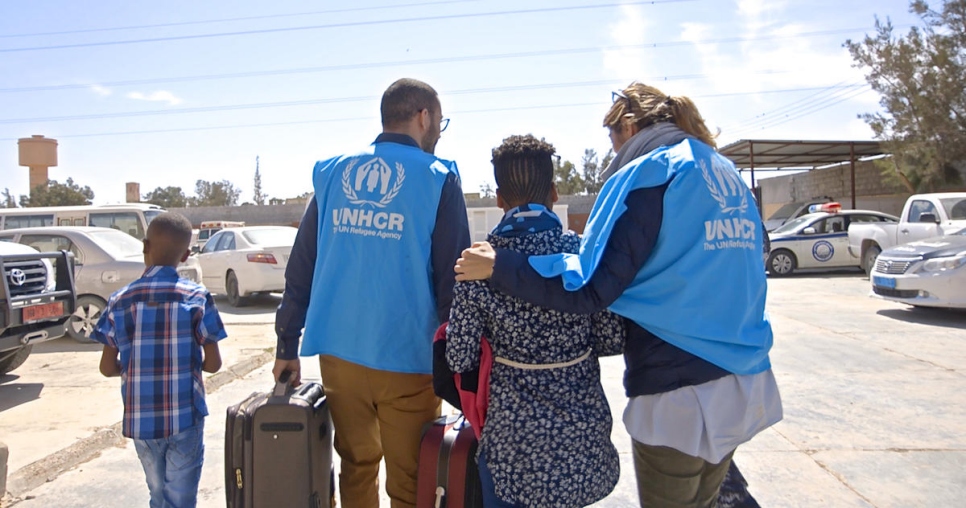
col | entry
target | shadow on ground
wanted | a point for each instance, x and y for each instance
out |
(817, 273)
(65, 345)
(948, 318)
(257, 304)
(13, 394)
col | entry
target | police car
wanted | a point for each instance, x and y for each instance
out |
(818, 240)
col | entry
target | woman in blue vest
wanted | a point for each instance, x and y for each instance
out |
(673, 245)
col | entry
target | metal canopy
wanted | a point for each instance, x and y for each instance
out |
(779, 154)
(771, 153)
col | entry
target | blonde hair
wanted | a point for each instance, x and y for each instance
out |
(643, 106)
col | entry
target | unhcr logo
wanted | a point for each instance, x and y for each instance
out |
(725, 186)
(373, 183)
(731, 194)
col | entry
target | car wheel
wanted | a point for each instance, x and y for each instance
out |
(868, 259)
(14, 359)
(82, 322)
(781, 263)
(231, 289)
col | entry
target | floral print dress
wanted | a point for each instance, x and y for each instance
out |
(547, 431)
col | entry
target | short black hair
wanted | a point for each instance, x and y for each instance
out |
(175, 230)
(523, 168)
(405, 98)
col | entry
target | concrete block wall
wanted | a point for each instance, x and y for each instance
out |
(873, 190)
(291, 214)
(251, 215)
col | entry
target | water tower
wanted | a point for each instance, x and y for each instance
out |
(132, 192)
(38, 153)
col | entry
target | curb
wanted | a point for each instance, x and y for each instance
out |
(50, 467)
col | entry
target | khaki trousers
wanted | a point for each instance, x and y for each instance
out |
(377, 413)
(667, 478)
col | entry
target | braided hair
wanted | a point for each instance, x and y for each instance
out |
(523, 169)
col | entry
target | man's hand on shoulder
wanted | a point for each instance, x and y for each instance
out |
(295, 366)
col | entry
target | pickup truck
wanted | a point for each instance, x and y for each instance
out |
(37, 298)
(923, 216)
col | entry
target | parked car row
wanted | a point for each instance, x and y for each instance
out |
(237, 262)
(819, 240)
(918, 258)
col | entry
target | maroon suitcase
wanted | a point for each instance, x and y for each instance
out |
(278, 450)
(448, 475)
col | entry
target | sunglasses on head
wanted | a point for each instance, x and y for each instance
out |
(616, 96)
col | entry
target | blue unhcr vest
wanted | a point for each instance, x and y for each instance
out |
(703, 287)
(372, 298)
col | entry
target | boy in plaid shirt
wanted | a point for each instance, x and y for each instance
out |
(154, 331)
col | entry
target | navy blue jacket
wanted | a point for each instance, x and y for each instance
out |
(652, 365)
(450, 237)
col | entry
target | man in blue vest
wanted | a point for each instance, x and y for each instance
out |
(370, 278)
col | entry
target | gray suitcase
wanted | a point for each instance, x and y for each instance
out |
(278, 450)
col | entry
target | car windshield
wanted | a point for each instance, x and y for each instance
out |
(955, 208)
(785, 211)
(149, 215)
(118, 244)
(792, 225)
(279, 236)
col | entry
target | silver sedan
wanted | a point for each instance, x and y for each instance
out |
(106, 260)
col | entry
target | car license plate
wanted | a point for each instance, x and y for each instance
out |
(43, 311)
(884, 282)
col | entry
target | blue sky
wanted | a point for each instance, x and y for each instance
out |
(166, 93)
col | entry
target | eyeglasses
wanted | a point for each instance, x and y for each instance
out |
(616, 96)
(443, 124)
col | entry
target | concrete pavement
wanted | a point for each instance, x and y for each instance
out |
(57, 410)
(873, 395)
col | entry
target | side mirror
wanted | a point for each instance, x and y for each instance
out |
(929, 218)
(195, 249)
(808, 231)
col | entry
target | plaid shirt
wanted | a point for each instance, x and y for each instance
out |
(158, 323)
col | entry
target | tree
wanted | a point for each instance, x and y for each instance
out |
(58, 194)
(221, 193)
(593, 170)
(258, 198)
(921, 78)
(566, 177)
(487, 191)
(167, 197)
(8, 200)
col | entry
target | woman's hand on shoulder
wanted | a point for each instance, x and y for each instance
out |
(476, 263)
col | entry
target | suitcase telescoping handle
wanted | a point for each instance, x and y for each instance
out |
(282, 386)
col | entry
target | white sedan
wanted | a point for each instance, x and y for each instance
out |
(817, 240)
(239, 262)
(927, 273)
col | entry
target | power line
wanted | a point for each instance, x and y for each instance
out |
(421, 19)
(807, 109)
(330, 100)
(803, 111)
(360, 118)
(229, 20)
(428, 61)
(792, 107)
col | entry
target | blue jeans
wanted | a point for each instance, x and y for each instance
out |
(490, 500)
(172, 466)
